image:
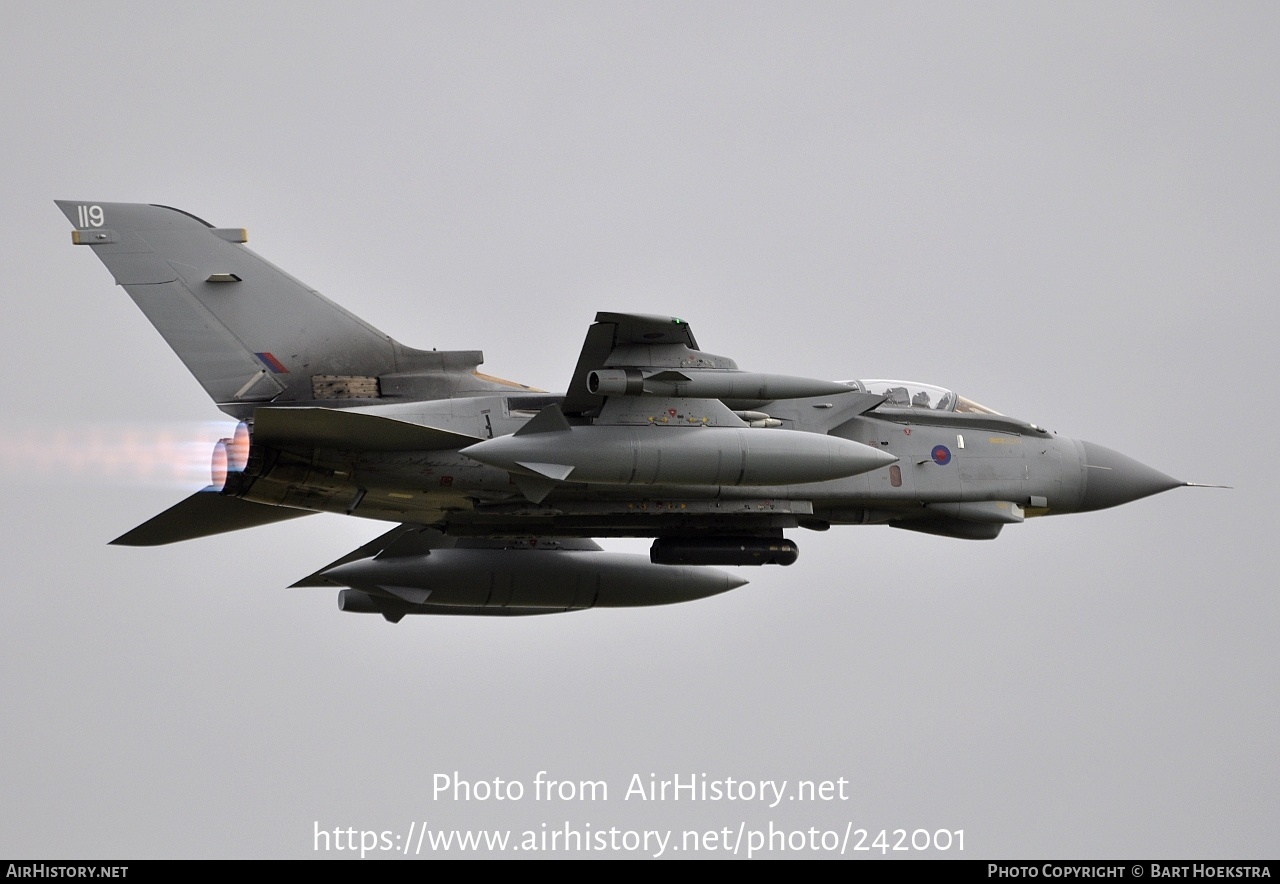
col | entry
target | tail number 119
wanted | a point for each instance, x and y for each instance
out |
(90, 216)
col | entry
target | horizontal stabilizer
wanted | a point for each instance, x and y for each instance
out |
(204, 514)
(348, 429)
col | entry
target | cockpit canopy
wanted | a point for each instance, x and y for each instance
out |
(912, 394)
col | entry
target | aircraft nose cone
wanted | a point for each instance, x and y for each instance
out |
(1111, 478)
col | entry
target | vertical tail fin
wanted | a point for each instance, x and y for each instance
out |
(248, 331)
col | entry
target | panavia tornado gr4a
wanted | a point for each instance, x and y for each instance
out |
(496, 489)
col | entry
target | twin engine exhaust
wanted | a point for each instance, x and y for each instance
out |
(230, 456)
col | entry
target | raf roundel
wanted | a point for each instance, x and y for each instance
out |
(941, 455)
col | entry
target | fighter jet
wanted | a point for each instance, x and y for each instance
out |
(497, 489)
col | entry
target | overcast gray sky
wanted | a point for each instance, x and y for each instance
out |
(1069, 212)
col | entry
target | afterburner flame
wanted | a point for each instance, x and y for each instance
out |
(114, 454)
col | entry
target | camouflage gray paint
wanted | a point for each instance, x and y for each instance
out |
(494, 487)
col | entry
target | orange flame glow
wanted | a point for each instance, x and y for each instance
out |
(164, 455)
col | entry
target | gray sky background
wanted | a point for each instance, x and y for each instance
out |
(1068, 212)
